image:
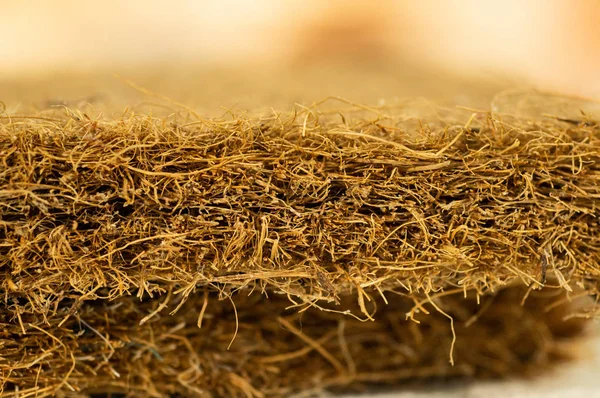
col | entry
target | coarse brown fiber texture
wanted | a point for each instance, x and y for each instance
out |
(108, 225)
(253, 346)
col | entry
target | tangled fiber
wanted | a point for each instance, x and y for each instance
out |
(256, 347)
(108, 225)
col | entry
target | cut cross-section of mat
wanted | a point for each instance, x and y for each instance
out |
(309, 205)
(336, 215)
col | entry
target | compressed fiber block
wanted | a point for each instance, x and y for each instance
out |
(318, 250)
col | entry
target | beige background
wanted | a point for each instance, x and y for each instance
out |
(552, 44)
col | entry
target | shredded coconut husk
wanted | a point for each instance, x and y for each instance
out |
(349, 227)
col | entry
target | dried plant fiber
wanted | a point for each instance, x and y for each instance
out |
(317, 249)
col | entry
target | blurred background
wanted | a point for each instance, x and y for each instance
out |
(249, 52)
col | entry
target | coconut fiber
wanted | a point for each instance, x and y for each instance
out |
(292, 253)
